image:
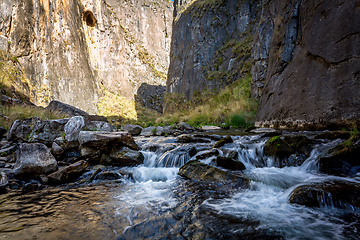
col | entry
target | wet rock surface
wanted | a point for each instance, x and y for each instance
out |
(343, 159)
(336, 193)
(198, 171)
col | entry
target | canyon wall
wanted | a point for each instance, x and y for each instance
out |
(78, 51)
(303, 56)
(211, 44)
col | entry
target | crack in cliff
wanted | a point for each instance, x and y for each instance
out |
(346, 37)
(326, 62)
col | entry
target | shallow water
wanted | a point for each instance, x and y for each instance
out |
(158, 204)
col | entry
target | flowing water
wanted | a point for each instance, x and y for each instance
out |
(155, 203)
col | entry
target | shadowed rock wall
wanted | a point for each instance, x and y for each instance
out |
(304, 56)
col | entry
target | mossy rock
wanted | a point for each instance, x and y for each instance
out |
(300, 143)
(338, 193)
(344, 159)
(223, 141)
(250, 128)
(198, 171)
(277, 147)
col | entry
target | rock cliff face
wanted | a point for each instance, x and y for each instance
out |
(211, 44)
(313, 67)
(303, 56)
(76, 51)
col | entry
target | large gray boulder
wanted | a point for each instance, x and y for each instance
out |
(132, 129)
(148, 132)
(20, 129)
(4, 181)
(99, 126)
(124, 156)
(65, 109)
(34, 159)
(105, 141)
(47, 131)
(73, 127)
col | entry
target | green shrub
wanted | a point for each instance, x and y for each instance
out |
(237, 121)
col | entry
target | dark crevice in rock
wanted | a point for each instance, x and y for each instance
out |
(346, 37)
(89, 18)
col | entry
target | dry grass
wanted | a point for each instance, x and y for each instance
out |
(230, 106)
(8, 114)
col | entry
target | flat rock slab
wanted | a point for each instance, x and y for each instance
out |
(210, 128)
(198, 171)
(68, 172)
(106, 140)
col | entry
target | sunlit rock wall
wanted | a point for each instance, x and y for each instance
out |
(74, 51)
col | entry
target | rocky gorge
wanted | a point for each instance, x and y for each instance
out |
(93, 181)
(78, 175)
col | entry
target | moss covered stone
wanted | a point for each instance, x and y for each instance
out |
(223, 141)
(344, 159)
(276, 146)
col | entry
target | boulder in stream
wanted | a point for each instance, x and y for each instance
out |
(198, 171)
(188, 138)
(344, 159)
(73, 127)
(124, 156)
(34, 159)
(276, 146)
(132, 129)
(223, 141)
(331, 193)
(331, 135)
(229, 163)
(69, 172)
(105, 141)
(107, 175)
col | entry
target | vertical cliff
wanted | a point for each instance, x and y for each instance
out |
(79, 51)
(313, 66)
(303, 56)
(211, 44)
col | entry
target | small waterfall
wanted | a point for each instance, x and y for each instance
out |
(174, 158)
